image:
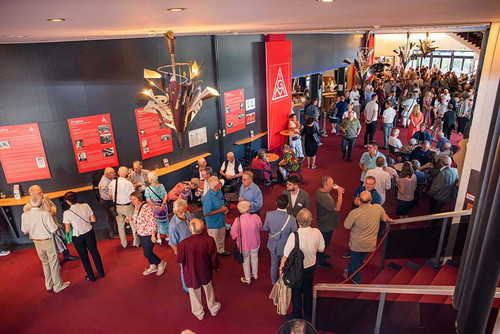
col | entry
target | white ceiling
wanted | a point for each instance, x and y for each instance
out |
(107, 19)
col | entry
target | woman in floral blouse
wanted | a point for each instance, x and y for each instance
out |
(144, 219)
(289, 163)
(156, 196)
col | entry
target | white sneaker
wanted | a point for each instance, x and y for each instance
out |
(4, 252)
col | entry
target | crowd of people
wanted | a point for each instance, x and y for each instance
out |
(192, 216)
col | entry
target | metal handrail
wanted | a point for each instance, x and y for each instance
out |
(441, 215)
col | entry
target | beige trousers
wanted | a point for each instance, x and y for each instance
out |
(251, 259)
(123, 212)
(195, 299)
(50, 263)
(219, 235)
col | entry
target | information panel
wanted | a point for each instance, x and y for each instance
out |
(22, 154)
(154, 136)
(234, 109)
(93, 142)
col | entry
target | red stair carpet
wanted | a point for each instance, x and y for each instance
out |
(127, 302)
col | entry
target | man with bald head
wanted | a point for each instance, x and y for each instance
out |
(47, 205)
(231, 171)
(198, 256)
(107, 177)
(364, 225)
(119, 192)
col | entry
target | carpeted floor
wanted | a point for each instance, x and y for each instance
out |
(126, 302)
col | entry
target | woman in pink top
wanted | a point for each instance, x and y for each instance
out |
(251, 225)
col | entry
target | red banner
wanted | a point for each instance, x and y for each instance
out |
(279, 89)
(22, 153)
(93, 142)
(155, 137)
(234, 110)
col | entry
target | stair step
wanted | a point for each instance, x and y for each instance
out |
(447, 275)
(384, 277)
(403, 277)
(423, 277)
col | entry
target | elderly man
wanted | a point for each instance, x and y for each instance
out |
(119, 192)
(197, 254)
(443, 187)
(40, 226)
(447, 150)
(310, 242)
(249, 191)
(441, 140)
(298, 199)
(368, 159)
(200, 164)
(206, 173)
(139, 177)
(231, 171)
(280, 224)
(382, 179)
(108, 176)
(327, 214)
(50, 207)
(215, 211)
(364, 225)
(422, 135)
(421, 153)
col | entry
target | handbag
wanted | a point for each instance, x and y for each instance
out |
(316, 135)
(238, 256)
(112, 209)
(277, 235)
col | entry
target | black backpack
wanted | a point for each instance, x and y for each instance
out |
(293, 269)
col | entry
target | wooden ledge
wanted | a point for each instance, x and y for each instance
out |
(60, 193)
(250, 139)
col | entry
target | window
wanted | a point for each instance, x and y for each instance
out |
(457, 65)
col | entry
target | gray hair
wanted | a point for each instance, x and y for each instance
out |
(445, 160)
(244, 207)
(304, 218)
(123, 171)
(179, 204)
(447, 145)
(201, 161)
(324, 180)
(32, 190)
(137, 164)
(212, 181)
(440, 134)
(152, 177)
(196, 225)
(36, 200)
(195, 181)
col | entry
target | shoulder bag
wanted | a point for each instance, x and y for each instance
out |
(237, 251)
(277, 235)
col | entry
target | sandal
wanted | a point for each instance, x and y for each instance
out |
(314, 167)
(150, 270)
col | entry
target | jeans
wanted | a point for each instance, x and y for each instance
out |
(84, 243)
(275, 265)
(370, 131)
(303, 296)
(348, 142)
(147, 250)
(387, 128)
(357, 259)
(328, 237)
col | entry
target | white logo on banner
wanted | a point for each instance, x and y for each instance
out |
(104, 120)
(279, 87)
(31, 129)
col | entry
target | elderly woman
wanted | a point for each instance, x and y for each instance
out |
(144, 219)
(200, 164)
(179, 229)
(260, 162)
(289, 163)
(407, 183)
(185, 190)
(296, 142)
(246, 231)
(156, 196)
(80, 217)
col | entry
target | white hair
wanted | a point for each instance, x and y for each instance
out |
(179, 204)
(445, 160)
(123, 171)
(244, 207)
(32, 190)
(152, 177)
(212, 181)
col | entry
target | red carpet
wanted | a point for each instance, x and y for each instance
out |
(127, 302)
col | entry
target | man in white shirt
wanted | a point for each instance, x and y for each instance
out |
(371, 115)
(382, 178)
(394, 140)
(388, 122)
(446, 95)
(107, 177)
(231, 171)
(354, 97)
(310, 243)
(121, 196)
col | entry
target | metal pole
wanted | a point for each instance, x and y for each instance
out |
(437, 259)
(380, 313)
(315, 301)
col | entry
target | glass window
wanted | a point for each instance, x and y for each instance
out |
(437, 61)
(457, 65)
(445, 64)
(464, 53)
(467, 67)
(426, 61)
(442, 53)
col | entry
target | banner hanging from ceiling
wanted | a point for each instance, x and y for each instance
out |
(22, 153)
(155, 137)
(93, 142)
(279, 90)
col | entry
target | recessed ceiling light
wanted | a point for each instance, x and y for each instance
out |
(324, 0)
(376, 26)
(176, 9)
(58, 19)
(20, 36)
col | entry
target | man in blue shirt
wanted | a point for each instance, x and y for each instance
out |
(441, 140)
(214, 212)
(249, 191)
(422, 135)
(178, 230)
(368, 159)
(340, 108)
(421, 153)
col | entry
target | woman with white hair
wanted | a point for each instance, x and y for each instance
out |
(246, 231)
(394, 140)
(179, 229)
(156, 196)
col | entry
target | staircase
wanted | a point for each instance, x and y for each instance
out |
(475, 37)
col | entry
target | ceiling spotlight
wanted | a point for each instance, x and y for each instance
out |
(20, 36)
(59, 19)
(324, 0)
(176, 9)
(376, 26)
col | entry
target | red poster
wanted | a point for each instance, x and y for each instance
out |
(22, 153)
(279, 90)
(234, 109)
(93, 142)
(251, 118)
(155, 138)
